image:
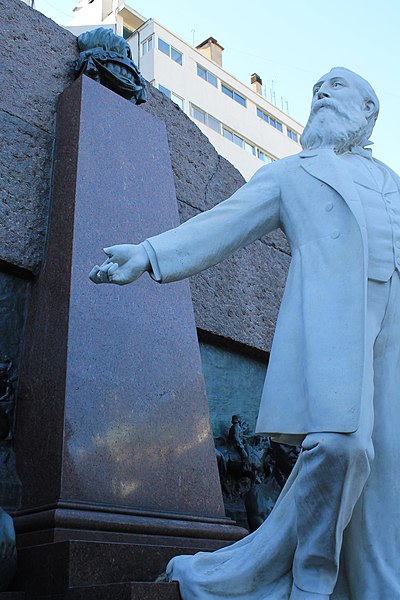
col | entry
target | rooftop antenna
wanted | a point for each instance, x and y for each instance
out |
(272, 93)
(264, 90)
(285, 104)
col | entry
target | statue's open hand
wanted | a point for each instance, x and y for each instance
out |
(125, 263)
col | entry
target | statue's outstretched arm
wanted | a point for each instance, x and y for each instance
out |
(201, 242)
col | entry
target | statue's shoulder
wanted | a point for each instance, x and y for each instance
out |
(281, 166)
(393, 173)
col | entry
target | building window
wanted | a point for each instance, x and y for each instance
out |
(227, 134)
(203, 117)
(171, 95)
(269, 119)
(197, 113)
(164, 47)
(264, 157)
(147, 45)
(207, 76)
(170, 51)
(236, 139)
(176, 56)
(126, 32)
(213, 123)
(250, 148)
(293, 135)
(234, 95)
(178, 100)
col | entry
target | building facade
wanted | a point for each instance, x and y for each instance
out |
(241, 124)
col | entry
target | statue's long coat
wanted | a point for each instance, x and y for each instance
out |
(315, 374)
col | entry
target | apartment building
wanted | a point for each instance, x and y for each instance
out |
(241, 124)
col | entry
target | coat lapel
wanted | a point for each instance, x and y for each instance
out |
(326, 166)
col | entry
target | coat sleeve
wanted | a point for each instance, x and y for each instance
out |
(211, 236)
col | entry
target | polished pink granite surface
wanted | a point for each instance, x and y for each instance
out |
(112, 412)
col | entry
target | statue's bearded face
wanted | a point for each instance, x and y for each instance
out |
(342, 114)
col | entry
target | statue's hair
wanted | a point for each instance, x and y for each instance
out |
(106, 39)
(367, 92)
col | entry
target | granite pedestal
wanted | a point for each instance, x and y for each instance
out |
(113, 439)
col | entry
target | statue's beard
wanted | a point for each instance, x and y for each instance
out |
(331, 126)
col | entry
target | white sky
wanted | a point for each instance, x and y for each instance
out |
(293, 43)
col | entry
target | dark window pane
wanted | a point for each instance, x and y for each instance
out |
(278, 126)
(228, 134)
(238, 140)
(239, 99)
(201, 72)
(163, 46)
(262, 115)
(126, 32)
(176, 56)
(198, 114)
(227, 91)
(212, 79)
(214, 124)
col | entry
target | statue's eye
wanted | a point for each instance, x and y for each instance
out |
(337, 84)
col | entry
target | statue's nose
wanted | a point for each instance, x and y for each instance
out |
(321, 95)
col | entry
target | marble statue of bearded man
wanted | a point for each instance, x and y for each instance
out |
(333, 382)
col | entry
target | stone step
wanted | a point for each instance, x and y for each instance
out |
(52, 569)
(119, 591)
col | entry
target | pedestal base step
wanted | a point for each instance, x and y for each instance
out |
(120, 591)
(55, 569)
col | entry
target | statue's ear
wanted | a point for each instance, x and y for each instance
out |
(369, 107)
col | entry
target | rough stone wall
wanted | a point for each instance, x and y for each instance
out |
(36, 61)
(238, 299)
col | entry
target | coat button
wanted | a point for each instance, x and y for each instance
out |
(329, 207)
(335, 234)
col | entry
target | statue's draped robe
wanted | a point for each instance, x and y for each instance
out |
(317, 367)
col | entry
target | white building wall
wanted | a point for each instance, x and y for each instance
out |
(184, 81)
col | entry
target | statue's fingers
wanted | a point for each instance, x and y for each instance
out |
(105, 267)
(103, 273)
(113, 269)
(116, 275)
(94, 274)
